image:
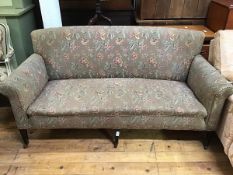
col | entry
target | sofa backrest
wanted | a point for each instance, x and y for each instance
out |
(117, 51)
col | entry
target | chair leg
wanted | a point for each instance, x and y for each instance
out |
(206, 139)
(24, 135)
(8, 68)
(116, 138)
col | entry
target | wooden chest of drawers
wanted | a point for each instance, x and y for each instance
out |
(220, 15)
(172, 12)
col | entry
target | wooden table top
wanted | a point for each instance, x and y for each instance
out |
(226, 3)
(208, 33)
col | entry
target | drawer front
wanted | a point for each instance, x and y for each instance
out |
(205, 51)
(229, 24)
(220, 15)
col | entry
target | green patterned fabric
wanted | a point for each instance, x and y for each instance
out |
(116, 77)
(117, 52)
(23, 86)
(117, 103)
(119, 122)
(113, 97)
(211, 89)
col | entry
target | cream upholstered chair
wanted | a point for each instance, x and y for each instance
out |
(225, 130)
(6, 51)
(221, 56)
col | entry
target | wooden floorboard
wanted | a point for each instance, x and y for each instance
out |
(89, 152)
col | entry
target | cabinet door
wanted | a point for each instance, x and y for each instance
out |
(202, 8)
(190, 8)
(147, 9)
(173, 9)
(162, 9)
(176, 9)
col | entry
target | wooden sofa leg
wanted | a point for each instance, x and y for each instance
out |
(24, 135)
(116, 138)
(206, 139)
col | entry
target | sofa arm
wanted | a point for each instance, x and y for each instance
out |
(23, 86)
(225, 129)
(211, 89)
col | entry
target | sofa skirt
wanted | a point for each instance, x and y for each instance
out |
(118, 122)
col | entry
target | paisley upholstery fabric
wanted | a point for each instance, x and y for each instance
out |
(210, 87)
(225, 130)
(117, 52)
(117, 97)
(23, 86)
(116, 77)
(118, 122)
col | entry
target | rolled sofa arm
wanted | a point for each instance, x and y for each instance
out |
(225, 129)
(23, 86)
(211, 89)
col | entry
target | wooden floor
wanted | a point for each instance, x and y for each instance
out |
(89, 152)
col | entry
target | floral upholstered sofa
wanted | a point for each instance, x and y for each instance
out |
(221, 52)
(116, 78)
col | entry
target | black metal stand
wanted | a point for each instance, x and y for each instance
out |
(116, 138)
(99, 15)
(206, 139)
(24, 135)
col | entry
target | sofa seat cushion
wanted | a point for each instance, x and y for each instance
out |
(116, 97)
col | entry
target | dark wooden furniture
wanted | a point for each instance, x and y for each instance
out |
(79, 12)
(208, 33)
(90, 4)
(220, 15)
(99, 18)
(186, 14)
(171, 12)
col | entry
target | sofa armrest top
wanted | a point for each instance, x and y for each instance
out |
(24, 85)
(26, 81)
(210, 87)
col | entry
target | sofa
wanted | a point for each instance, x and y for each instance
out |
(118, 77)
(221, 57)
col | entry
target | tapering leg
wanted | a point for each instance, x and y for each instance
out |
(206, 139)
(116, 138)
(24, 135)
(8, 68)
